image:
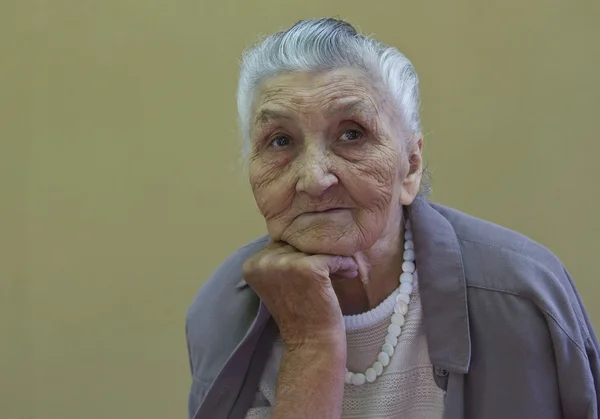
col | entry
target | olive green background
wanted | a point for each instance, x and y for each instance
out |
(121, 190)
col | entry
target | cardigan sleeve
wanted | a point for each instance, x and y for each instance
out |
(587, 362)
(258, 413)
(592, 353)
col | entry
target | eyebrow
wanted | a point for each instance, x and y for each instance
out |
(267, 115)
(344, 107)
(353, 106)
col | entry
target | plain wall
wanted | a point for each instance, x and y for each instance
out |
(120, 190)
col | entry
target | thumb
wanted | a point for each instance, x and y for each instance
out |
(342, 265)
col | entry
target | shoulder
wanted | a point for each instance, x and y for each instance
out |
(501, 262)
(487, 245)
(221, 313)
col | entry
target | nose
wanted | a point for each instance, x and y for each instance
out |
(314, 175)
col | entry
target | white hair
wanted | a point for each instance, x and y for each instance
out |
(326, 44)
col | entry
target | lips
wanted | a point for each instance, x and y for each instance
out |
(325, 210)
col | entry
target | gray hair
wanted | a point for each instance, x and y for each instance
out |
(325, 44)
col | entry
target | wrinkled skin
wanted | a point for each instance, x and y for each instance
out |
(330, 169)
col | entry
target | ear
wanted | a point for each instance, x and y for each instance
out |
(412, 181)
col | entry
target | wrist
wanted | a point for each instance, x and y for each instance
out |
(332, 352)
(331, 338)
(311, 380)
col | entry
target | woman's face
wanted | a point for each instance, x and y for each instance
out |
(328, 168)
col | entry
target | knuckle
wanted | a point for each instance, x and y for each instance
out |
(282, 261)
(298, 264)
(263, 263)
(248, 266)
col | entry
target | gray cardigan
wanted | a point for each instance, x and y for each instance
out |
(507, 332)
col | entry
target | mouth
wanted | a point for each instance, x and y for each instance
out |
(327, 211)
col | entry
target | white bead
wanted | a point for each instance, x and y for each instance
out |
(391, 339)
(358, 379)
(394, 330)
(406, 288)
(383, 358)
(409, 255)
(408, 267)
(405, 298)
(378, 367)
(370, 375)
(401, 308)
(398, 319)
(388, 349)
(348, 379)
(407, 277)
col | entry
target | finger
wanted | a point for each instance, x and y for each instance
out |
(346, 274)
(337, 264)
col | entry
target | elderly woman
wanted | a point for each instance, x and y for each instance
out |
(365, 300)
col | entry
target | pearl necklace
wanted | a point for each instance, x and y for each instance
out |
(397, 321)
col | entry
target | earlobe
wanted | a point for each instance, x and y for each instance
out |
(410, 188)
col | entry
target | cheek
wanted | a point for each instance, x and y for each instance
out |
(371, 181)
(273, 190)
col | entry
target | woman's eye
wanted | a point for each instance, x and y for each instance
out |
(351, 135)
(281, 141)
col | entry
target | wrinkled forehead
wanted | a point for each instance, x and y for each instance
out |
(325, 93)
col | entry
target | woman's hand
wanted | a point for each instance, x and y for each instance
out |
(297, 290)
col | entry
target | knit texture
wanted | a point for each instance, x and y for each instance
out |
(405, 390)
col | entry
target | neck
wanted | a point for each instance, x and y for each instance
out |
(379, 268)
